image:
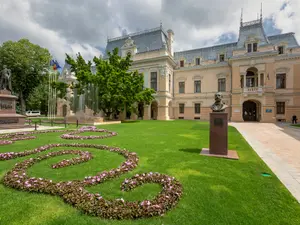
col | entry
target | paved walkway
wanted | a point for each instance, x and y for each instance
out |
(28, 129)
(279, 147)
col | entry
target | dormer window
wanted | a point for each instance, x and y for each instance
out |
(222, 57)
(254, 47)
(249, 47)
(280, 50)
(181, 63)
(197, 61)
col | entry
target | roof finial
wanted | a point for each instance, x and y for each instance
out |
(160, 24)
(241, 17)
(261, 11)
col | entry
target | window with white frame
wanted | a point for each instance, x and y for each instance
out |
(181, 87)
(221, 84)
(197, 86)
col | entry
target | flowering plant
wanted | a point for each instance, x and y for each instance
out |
(74, 192)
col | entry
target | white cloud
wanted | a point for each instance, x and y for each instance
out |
(15, 16)
(65, 26)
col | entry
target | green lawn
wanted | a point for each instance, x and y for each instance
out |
(296, 125)
(215, 191)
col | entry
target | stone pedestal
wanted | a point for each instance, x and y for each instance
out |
(9, 119)
(218, 137)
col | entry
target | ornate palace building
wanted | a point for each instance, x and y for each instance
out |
(259, 75)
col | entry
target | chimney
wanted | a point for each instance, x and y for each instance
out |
(170, 42)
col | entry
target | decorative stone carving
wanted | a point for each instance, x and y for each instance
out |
(181, 79)
(283, 70)
(221, 75)
(197, 77)
(163, 71)
(219, 105)
(128, 43)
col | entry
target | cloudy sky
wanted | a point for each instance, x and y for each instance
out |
(71, 26)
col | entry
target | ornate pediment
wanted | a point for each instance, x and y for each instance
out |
(197, 77)
(283, 70)
(129, 43)
(252, 38)
(221, 75)
(181, 79)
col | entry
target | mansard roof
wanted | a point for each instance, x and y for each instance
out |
(253, 29)
(147, 40)
(207, 53)
(288, 38)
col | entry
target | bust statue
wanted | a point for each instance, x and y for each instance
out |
(5, 80)
(219, 105)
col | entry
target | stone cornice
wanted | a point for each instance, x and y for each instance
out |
(287, 57)
(202, 67)
(243, 57)
(164, 57)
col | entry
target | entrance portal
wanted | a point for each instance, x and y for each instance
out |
(251, 111)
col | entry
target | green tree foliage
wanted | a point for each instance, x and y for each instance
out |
(27, 62)
(38, 99)
(117, 86)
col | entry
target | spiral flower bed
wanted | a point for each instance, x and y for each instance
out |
(88, 129)
(27, 135)
(74, 192)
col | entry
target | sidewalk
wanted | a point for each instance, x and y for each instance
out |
(279, 147)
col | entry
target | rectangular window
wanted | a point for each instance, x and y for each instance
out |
(280, 107)
(197, 86)
(254, 47)
(181, 63)
(181, 108)
(280, 50)
(154, 81)
(249, 47)
(222, 85)
(262, 79)
(281, 81)
(197, 61)
(197, 108)
(181, 87)
(222, 58)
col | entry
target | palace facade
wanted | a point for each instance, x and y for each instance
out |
(259, 75)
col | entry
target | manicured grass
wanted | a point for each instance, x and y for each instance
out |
(216, 191)
(296, 125)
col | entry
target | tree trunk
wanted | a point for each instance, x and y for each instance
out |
(22, 104)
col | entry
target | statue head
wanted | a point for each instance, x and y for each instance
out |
(218, 97)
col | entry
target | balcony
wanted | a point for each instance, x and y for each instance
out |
(253, 90)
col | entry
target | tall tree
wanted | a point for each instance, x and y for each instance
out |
(27, 62)
(118, 87)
